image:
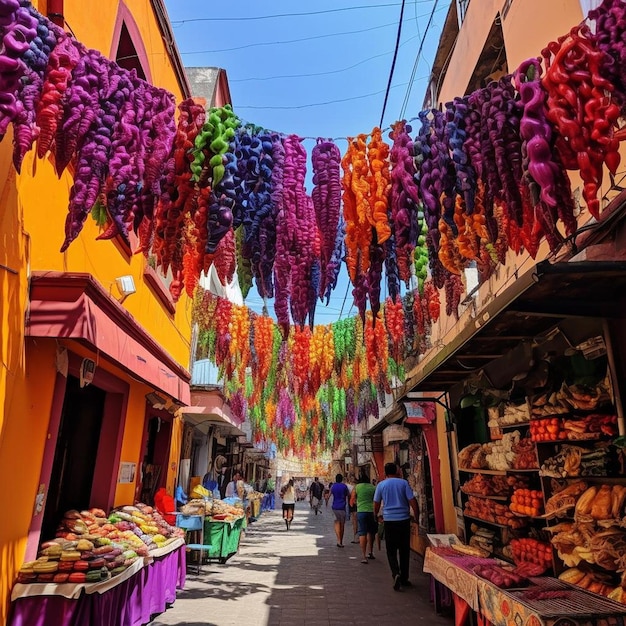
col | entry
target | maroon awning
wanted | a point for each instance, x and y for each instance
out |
(75, 306)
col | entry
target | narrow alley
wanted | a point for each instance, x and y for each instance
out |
(300, 577)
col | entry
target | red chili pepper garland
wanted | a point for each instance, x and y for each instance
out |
(580, 107)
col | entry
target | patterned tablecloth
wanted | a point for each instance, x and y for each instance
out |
(459, 580)
(501, 607)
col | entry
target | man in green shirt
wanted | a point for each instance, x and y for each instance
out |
(363, 497)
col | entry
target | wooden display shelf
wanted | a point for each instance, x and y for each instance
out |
(514, 426)
(523, 471)
(483, 471)
(485, 521)
(487, 497)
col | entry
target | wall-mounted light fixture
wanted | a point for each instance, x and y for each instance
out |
(126, 286)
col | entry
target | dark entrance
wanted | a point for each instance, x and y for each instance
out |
(76, 452)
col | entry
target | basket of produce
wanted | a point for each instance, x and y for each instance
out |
(529, 550)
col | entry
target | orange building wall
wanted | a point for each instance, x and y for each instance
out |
(21, 449)
(527, 28)
(33, 208)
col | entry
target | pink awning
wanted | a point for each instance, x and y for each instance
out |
(75, 306)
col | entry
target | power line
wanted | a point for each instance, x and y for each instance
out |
(276, 43)
(307, 14)
(317, 104)
(393, 63)
(345, 69)
(407, 96)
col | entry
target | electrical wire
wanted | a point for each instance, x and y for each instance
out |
(277, 43)
(277, 15)
(407, 96)
(317, 104)
(393, 63)
(345, 69)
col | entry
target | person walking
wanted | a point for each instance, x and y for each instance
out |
(270, 487)
(288, 494)
(327, 493)
(362, 498)
(339, 492)
(317, 491)
(352, 509)
(398, 501)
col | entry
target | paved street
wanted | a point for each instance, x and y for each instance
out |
(300, 577)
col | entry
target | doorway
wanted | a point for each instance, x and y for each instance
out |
(75, 454)
(156, 455)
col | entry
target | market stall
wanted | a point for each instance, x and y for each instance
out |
(535, 601)
(145, 589)
(117, 569)
(224, 537)
(224, 521)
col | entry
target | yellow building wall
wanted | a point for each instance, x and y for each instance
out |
(33, 208)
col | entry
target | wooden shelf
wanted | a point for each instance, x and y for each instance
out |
(487, 497)
(522, 471)
(483, 471)
(514, 426)
(484, 521)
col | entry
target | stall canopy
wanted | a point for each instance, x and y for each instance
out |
(75, 306)
(209, 408)
(550, 295)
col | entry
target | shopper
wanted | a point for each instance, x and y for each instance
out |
(352, 509)
(362, 498)
(327, 493)
(232, 488)
(288, 494)
(398, 500)
(339, 492)
(316, 490)
(270, 487)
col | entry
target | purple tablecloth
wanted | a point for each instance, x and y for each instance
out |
(131, 603)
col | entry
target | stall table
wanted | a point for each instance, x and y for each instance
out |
(515, 607)
(224, 537)
(145, 589)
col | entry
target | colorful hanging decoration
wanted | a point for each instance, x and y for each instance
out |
(485, 176)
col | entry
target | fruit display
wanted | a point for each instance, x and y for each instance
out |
(481, 485)
(547, 429)
(530, 550)
(91, 547)
(491, 511)
(527, 502)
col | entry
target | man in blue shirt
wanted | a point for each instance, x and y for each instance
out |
(398, 500)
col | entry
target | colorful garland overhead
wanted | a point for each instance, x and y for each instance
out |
(306, 393)
(483, 176)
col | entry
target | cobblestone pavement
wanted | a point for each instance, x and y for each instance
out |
(300, 577)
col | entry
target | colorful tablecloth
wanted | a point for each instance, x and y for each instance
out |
(131, 602)
(502, 607)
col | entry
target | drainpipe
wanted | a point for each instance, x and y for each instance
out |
(55, 12)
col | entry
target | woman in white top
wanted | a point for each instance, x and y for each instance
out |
(289, 503)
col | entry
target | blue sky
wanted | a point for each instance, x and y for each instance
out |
(322, 73)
